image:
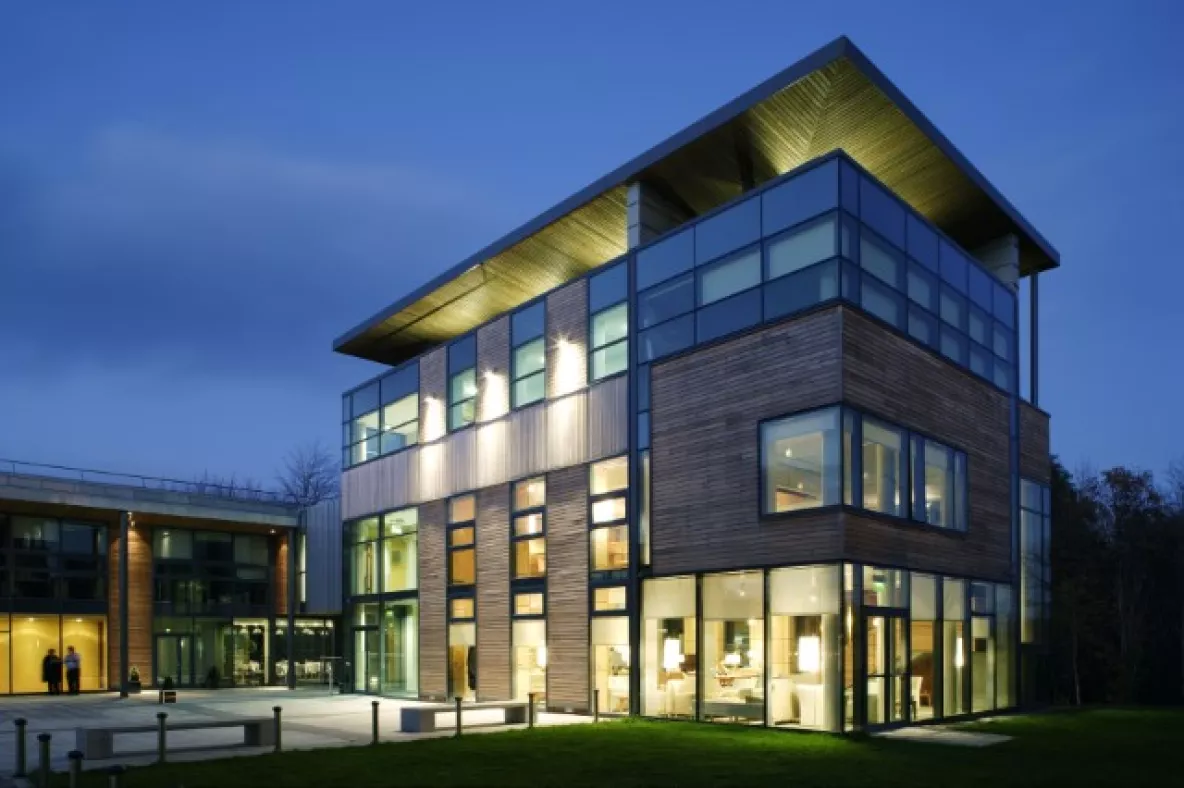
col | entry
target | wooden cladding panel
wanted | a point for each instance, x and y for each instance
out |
(493, 369)
(706, 409)
(281, 573)
(493, 593)
(433, 625)
(567, 590)
(891, 377)
(140, 596)
(1035, 458)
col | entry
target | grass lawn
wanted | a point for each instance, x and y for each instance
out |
(1095, 747)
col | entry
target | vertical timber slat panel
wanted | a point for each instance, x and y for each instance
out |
(433, 633)
(567, 590)
(493, 593)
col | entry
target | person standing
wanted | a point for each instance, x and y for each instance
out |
(73, 670)
(47, 670)
(55, 675)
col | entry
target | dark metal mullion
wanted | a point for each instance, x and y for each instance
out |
(859, 662)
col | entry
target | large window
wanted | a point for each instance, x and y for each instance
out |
(1035, 577)
(734, 647)
(530, 659)
(922, 641)
(608, 483)
(800, 461)
(804, 647)
(462, 539)
(610, 662)
(529, 356)
(462, 383)
(955, 647)
(669, 648)
(527, 538)
(364, 556)
(400, 534)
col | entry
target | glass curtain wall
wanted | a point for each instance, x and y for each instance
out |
(313, 641)
(399, 646)
(781, 647)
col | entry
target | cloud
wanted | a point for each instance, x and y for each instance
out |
(206, 257)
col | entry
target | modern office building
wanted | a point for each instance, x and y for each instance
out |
(206, 572)
(737, 433)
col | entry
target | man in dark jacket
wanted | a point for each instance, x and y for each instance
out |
(51, 672)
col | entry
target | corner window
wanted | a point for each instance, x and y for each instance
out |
(610, 341)
(800, 461)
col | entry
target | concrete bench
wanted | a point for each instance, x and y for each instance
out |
(99, 743)
(426, 719)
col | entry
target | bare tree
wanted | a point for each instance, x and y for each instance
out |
(310, 474)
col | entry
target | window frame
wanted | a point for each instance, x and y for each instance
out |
(450, 549)
(594, 348)
(609, 576)
(516, 512)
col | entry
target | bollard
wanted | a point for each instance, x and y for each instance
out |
(596, 705)
(75, 768)
(43, 759)
(458, 715)
(374, 722)
(20, 723)
(161, 729)
(115, 776)
(530, 709)
(278, 745)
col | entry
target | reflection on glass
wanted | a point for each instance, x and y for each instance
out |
(800, 456)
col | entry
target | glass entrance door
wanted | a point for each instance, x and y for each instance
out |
(366, 661)
(174, 659)
(888, 695)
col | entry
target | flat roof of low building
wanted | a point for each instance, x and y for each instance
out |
(832, 99)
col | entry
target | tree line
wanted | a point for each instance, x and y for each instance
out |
(1117, 613)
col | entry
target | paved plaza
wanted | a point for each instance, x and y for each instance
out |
(311, 720)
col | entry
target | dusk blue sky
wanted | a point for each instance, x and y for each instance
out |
(197, 198)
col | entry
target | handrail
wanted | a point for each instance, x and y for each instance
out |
(212, 489)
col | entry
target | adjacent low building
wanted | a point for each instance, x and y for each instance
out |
(734, 434)
(183, 582)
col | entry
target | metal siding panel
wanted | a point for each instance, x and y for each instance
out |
(528, 441)
(567, 431)
(608, 418)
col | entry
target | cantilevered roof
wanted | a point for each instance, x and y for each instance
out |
(834, 98)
